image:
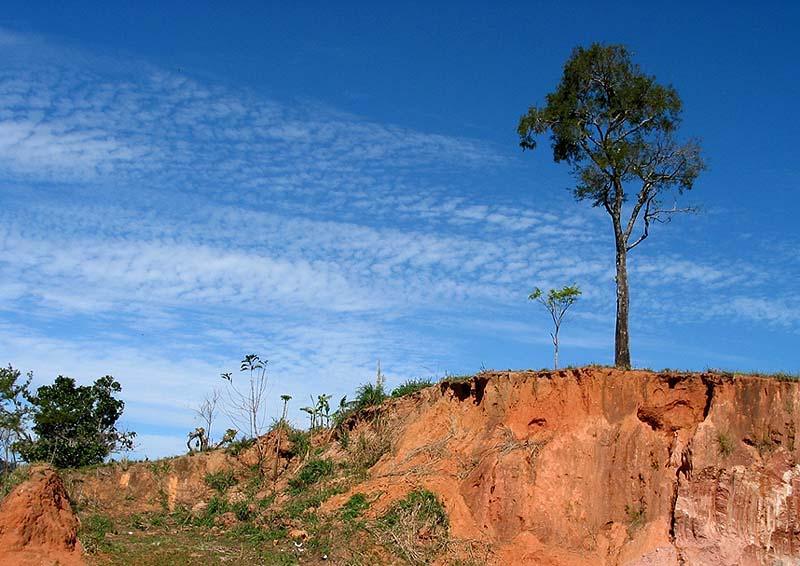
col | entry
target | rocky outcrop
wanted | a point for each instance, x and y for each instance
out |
(599, 466)
(37, 525)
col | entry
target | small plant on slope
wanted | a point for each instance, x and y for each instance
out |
(557, 302)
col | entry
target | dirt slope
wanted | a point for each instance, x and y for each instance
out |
(599, 466)
(37, 525)
(589, 466)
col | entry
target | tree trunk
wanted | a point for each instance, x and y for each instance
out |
(622, 352)
(555, 349)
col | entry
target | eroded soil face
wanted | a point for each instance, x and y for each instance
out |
(590, 466)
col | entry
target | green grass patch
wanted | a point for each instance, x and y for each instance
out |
(354, 507)
(410, 386)
(312, 472)
(93, 532)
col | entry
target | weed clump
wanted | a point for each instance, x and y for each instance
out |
(637, 517)
(354, 507)
(725, 444)
(238, 446)
(220, 481)
(300, 442)
(312, 472)
(93, 531)
(416, 526)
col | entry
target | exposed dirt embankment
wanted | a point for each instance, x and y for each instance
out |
(37, 525)
(599, 466)
(590, 466)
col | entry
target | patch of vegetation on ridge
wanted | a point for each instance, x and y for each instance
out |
(410, 386)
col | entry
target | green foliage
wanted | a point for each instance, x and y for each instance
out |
(615, 127)
(12, 478)
(14, 413)
(354, 507)
(76, 425)
(312, 472)
(242, 510)
(256, 535)
(300, 442)
(410, 386)
(221, 480)
(93, 531)
(609, 120)
(298, 505)
(557, 302)
(369, 395)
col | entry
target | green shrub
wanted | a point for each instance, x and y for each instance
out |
(312, 472)
(354, 506)
(410, 386)
(221, 480)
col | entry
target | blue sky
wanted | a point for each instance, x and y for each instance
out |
(329, 185)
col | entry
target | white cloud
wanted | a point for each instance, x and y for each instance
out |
(156, 228)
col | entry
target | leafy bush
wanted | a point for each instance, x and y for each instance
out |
(221, 480)
(354, 506)
(312, 472)
(15, 413)
(410, 386)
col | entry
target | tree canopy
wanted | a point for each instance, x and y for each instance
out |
(76, 425)
(616, 127)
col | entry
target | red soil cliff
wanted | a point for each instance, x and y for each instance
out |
(590, 466)
(600, 466)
